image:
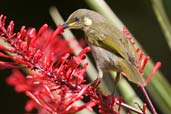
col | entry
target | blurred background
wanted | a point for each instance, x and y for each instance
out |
(137, 15)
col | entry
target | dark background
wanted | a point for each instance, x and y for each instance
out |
(137, 15)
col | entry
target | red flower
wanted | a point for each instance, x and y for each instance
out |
(143, 60)
(55, 79)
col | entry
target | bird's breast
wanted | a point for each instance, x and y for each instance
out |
(105, 59)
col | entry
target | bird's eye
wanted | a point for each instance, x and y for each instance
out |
(77, 19)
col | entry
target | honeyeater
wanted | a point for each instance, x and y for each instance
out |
(110, 47)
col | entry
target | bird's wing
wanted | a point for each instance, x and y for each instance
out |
(109, 38)
(115, 46)
(116, 41)
(132, 73)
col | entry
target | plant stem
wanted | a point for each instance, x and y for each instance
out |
(148, 100)
(163, 20)
(130, 108)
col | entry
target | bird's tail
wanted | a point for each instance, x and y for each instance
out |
(132, 72)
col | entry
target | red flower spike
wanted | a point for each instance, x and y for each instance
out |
(30, 105)
(9, 49)
(141, 56)
(10, 30)
(20, 60)
(4, 55)
(2, 20)
(2, 29)
(2, 24)
(22, 33)
(31, 33)
(28, 93)
(21, 87)
(42, 29)
(5, 65)
(144, 108)
(141, 59)
(18, 80)
(37, 56)
(84, 51)
(133, 42)
(156, 67)
(58, 31)
(138, 49)
(34, 56)
(46, 105)
(144, 62)
(16, 75)
(48, 91)
(127, 33)
(75, 109)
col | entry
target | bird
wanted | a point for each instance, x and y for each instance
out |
(110, 48)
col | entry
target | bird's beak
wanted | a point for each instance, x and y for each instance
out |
(65, 25)
(69, 25)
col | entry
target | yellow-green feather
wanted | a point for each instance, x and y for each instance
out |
(132, 73)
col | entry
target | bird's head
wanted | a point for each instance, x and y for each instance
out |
(83, 18)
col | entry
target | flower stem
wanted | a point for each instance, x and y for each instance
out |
(130, 108)
(148, 100)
